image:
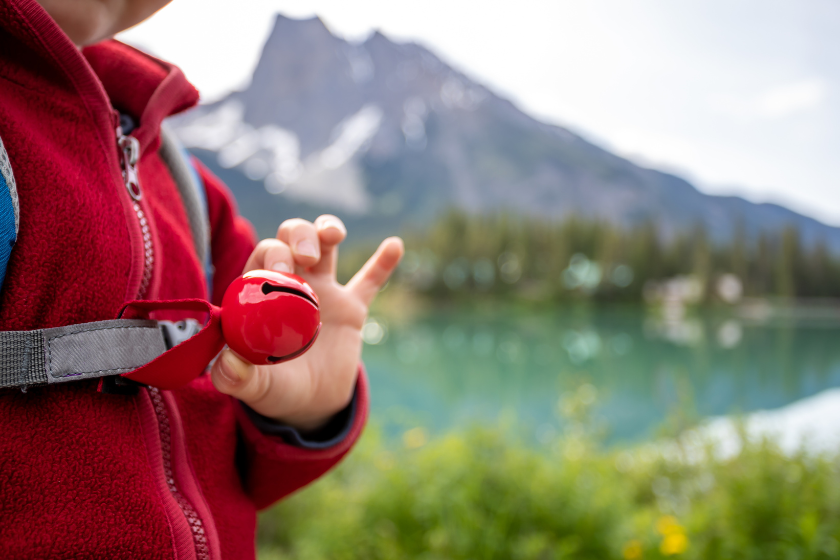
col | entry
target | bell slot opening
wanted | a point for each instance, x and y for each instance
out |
(268, 288)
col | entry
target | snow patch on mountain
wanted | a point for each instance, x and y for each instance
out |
(332, 176)
(272, 154)
(351, 135)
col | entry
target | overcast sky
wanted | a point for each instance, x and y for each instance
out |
(739, 96)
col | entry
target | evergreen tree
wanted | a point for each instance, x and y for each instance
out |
(514, 256)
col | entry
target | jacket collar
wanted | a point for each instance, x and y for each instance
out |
(147, 88)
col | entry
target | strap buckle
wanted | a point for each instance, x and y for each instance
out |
(176, 332)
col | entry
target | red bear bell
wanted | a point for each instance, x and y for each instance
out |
(270, 317)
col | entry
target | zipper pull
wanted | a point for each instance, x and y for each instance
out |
(129, 154)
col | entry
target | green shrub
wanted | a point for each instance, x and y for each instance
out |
(485, 494)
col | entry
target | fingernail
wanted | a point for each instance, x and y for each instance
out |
(234, 369)
(333, 224)
(280, 267)
(306, 249)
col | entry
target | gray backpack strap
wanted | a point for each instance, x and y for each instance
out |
(192, 191)
(82, 351)
(86, 350)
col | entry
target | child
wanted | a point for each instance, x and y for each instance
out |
(158, 474)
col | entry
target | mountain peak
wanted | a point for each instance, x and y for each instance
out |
(289, 33)
(399, 135)
(282, 22)
(377, 36)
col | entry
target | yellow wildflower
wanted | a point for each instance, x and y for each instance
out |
(668, 525)
(414, 438)
(632, 550)
(675, 543)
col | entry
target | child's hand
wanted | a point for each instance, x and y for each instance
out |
(307, 391)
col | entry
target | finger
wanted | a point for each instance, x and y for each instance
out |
(238, 378)
(302, 237)
(271, 254)
(331, 232)
(376, 271)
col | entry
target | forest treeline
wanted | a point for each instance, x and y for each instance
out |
(463, 255)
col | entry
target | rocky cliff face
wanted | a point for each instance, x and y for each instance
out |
(387, 135)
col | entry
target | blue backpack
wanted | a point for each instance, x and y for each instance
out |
(9, 212)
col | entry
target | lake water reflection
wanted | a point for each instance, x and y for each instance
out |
(449, 369)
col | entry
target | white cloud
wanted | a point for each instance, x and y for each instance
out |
(653, 149)
(792, 98)
(778, 102)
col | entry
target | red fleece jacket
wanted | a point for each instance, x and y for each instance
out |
(162, 474)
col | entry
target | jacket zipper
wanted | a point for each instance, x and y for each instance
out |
(129, 155)
(202, 549)
(129, 148)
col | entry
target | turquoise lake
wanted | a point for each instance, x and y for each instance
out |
(447, 370)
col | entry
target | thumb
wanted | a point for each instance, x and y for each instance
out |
(238, 378)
